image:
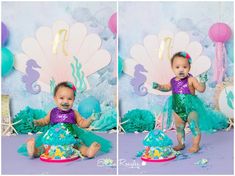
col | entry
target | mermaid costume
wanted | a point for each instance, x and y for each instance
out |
(184, 104)
(64, 128)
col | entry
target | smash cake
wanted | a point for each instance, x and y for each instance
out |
(59, 145)
(158, 147)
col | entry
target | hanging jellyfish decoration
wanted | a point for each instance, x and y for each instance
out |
(219, 33)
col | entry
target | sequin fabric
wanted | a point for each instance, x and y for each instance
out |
(59, 116)
(181, 102)
(180, 86)
(181, 105)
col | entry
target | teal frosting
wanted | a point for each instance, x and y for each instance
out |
(138, 120)
(157, 138)
(59, 134)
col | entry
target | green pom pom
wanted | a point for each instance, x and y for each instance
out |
(26, 124)
(106, 121)
(138, 120)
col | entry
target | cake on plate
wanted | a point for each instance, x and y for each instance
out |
(158, 147)
(59, 145)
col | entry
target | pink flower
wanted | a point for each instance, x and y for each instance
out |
(74, 88)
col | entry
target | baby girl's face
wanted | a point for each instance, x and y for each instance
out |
(180, 67)
(64, 98)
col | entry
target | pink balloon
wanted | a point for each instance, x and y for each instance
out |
(220, 32)
(113, 23)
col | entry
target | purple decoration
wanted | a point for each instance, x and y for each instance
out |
(31, 77)
(138, 81)
(5, 34)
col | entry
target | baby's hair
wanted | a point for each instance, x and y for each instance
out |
(65, 84)
(182, 54)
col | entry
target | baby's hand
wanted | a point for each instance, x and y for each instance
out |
(203, 77)
(92, 118)
(95, 115)
(155, 85)
(35, 123)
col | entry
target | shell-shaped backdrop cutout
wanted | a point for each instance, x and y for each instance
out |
(64, 52)
(224, 98)
(155, 54)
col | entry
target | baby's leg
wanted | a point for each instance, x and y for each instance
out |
(32, 150)
(180, 124)
(91, 151)
(194, 127)
(31, 147)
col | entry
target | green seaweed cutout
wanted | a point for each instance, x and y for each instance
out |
(52, 85)
(230, 98)
(78, 75)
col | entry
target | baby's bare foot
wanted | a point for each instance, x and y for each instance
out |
(31, 147)
(93, 149)
(179, 147)
(194, 149)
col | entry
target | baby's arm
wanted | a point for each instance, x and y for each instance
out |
(199, 86)
(44, 121)
(163, 87)
(84, 123)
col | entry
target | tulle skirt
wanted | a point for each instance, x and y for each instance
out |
(206, 118)
(83, 137)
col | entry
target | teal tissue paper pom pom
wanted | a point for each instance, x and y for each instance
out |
(88, 106)
(138, 120)
(107, 120)
(26, 124)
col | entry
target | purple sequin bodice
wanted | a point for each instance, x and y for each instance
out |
(180, 86)
(59, 116)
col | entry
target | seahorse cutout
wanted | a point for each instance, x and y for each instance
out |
(138, 81)
(31, 77)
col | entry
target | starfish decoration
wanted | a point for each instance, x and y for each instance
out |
(120, 125)
(67, 132)
(10, 126)
(231, 124)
